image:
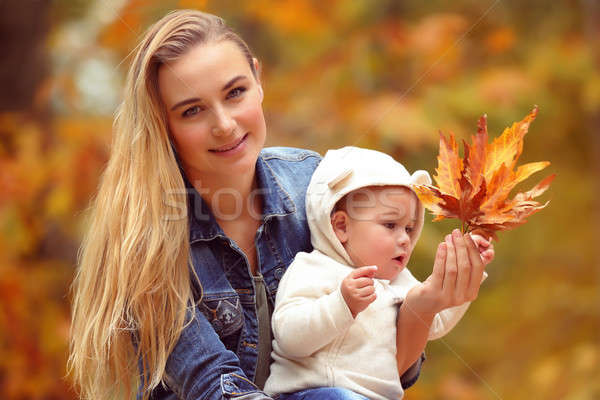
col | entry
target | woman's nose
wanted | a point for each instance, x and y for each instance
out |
(224, 124)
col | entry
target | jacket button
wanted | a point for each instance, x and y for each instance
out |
(279, 273)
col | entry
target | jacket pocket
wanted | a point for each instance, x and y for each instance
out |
(224, 312)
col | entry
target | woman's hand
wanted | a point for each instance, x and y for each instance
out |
(456, 277)
(486, 248)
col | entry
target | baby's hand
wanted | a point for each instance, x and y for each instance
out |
(358, 289)
(456, 277)
(485, 247)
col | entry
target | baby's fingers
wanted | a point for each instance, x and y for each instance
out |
(476, 270)
(367, 272)
(363, 282)
(437, 275)
(463, 262)
(365, 291)
(450, 269)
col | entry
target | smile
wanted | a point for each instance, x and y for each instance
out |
(230, 146)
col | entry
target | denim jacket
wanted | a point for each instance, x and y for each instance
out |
(215, 356)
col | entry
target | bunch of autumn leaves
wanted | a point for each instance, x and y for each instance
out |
(475, 188)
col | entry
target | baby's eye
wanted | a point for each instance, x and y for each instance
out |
(236, 92)
(192, 111)
(390, 225)
(409, 229)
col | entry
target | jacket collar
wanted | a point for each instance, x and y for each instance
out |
(277, 202)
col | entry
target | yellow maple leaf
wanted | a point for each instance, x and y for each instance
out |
(475, 188)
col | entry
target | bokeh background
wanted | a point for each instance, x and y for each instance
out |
(383, 74)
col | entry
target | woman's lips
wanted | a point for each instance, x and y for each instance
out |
(231, 146)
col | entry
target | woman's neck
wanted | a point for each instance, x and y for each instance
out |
(229, 197)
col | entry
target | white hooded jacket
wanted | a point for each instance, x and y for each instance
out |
(317, 342)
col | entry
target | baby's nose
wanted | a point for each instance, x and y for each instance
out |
(403, 238)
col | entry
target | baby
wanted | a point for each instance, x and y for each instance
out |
(336, 312)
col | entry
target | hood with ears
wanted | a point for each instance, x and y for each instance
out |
(343, 171)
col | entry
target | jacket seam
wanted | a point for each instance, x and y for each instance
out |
(293, 208)
(196, 387)
(220, 296)
(242, 378)
(301, 157)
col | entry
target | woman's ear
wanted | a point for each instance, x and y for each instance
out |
(339, 222)
(256, 66)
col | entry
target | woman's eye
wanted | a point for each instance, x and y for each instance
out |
(236, 92)
(191, 111)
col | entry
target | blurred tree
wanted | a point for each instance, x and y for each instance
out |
(24, 26)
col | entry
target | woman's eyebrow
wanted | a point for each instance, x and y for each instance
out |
(195, 99)
(232, 81)
(184, 102)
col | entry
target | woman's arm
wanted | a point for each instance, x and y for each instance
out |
(411, 336)
(200, 367)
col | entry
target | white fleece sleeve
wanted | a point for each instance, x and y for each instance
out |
(310, 311)
(447, 319)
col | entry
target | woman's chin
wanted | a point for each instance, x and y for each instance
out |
(242, 164)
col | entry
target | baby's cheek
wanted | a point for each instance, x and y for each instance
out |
(384, 248)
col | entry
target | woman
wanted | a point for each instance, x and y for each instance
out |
(193, 226)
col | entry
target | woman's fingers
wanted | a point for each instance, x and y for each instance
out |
(485, 247)
(487, 256)
(480, 241)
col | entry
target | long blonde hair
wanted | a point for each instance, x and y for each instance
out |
(133, 284)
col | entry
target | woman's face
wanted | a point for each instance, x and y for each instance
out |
(213, 105)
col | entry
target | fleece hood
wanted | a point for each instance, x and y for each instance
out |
(342, 171)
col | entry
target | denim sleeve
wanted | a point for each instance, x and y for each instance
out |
(200, 367)
(410, 376)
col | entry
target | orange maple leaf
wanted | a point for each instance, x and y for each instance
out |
(475, 188)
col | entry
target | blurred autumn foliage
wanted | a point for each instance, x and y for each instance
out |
(382, 74)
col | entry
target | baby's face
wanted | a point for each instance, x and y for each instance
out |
(378, 229)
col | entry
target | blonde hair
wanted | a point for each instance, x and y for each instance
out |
(133, 288)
